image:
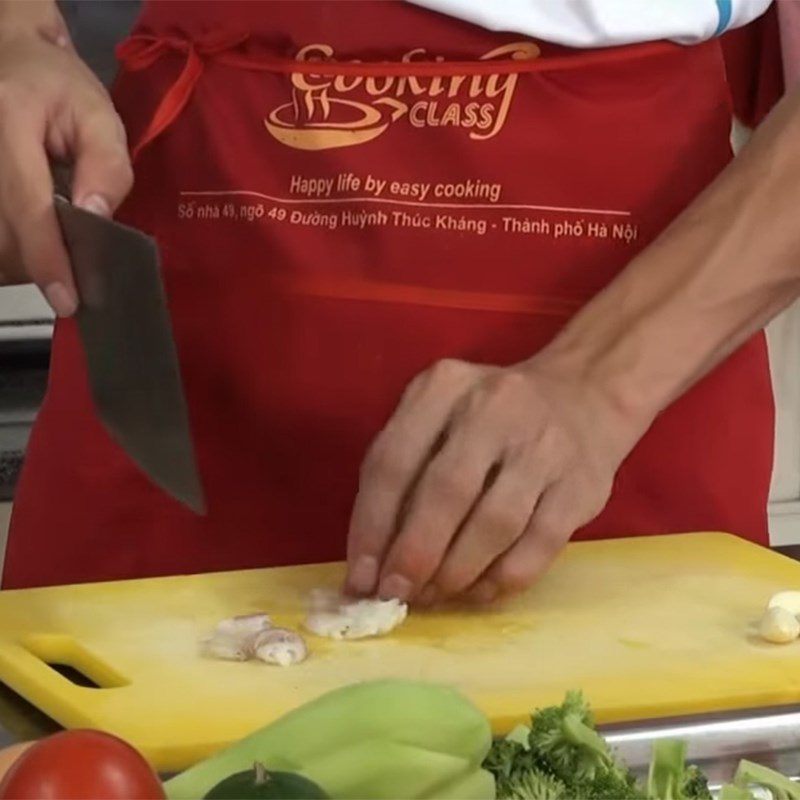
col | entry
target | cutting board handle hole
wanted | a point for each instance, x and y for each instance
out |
(73, 662)
(74, 676)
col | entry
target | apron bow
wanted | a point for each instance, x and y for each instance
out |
(142, 50)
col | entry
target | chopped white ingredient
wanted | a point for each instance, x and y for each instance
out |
(789, 600)
(244, 625)
(280, 646)
(336, 617)
(779, 626)
(253, 636)
(226, 648)
(323, 600)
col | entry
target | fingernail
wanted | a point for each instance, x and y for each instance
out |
(96, 204)
(484, 592)
(395, 587)
(61, 300)
(363, 576)
(428, 596)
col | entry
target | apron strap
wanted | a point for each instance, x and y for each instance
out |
(141, 50)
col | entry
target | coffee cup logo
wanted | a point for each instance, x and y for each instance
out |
(332, 111)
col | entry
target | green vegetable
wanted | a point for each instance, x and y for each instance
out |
(731, 792)
(563, 753)
(563, 757)
(520, 735)
(372, 740)
(750, 774)
(389, 769)
(258, 784)
(566, 745)
(670, 778)
(478, 785)
(511, 762)
(695, 784)
(537, 785)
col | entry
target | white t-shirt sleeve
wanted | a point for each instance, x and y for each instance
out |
(597, 23)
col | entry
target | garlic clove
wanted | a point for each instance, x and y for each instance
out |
(324, 600)
(253, 636)
(279, 646)
(225, 648)
(789, 600)
(243, 625)
(779, 626)
(337, 617)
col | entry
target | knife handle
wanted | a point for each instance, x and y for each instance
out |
(62, 179)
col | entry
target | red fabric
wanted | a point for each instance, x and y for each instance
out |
(754, 66)
(519, 180)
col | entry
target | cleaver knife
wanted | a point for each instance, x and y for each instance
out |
(132, 360)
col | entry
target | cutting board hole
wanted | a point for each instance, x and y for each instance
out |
(74, 676)
(73, 662)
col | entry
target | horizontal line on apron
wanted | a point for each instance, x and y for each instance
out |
(414, 203)
(404, 294)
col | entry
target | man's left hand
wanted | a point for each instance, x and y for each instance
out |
(480, 478)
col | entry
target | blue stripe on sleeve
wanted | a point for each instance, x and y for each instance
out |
(725, 9)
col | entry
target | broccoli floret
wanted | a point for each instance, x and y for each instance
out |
(562, 757)
(608, 786)
(517, 771)
(520, 735)
(506, 761)
(695, 785)
(570, 748)
(536, 785)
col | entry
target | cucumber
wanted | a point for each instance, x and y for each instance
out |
(426, 716)
(259, 784)
(381, 770)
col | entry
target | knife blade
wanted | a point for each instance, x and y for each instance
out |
(132, 361)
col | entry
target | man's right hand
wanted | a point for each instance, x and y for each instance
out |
(51, 108)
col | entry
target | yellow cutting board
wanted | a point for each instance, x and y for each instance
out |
(646, 627)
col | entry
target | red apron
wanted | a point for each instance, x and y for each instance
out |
(754, 67)
(344, 193)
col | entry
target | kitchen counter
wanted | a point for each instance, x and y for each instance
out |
(20, 721)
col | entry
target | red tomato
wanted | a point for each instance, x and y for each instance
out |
(81, 765)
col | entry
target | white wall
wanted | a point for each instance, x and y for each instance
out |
(784, 343)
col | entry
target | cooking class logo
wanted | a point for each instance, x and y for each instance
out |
(332, 111)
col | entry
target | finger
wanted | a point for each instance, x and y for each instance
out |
(26, 199)
(102, 174)
(388, 472)
(554, 520)
(393, 464)
(448, 489)
(497, 522)
(428, 596)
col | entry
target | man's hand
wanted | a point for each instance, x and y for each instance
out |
(51, 107)
(480, 478)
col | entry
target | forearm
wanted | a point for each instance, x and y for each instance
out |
(719, 273)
